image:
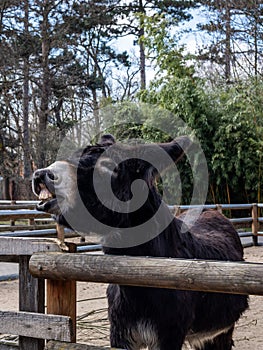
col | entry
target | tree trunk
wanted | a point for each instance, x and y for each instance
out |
(6, 194)
(45, 90)
(26, 142)
(142, 47)
(256, 37)
(95, 112)
(228, 43)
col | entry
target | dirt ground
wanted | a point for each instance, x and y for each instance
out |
(92, 311)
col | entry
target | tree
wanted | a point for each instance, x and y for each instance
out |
(136, 13)
(26, 72)
(237, 158)
(9, 129)
(92, 26)
(228, 122)
(56, 65)
(235, 37)
(249, 34)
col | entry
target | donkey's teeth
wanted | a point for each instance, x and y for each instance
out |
(44, 194)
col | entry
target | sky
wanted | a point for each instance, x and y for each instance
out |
(191, 39)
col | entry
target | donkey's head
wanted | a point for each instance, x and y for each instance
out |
(112, 183)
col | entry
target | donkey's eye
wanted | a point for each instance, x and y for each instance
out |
(107, 166)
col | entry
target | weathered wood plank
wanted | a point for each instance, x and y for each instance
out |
(29, 233)
(37, 232)
(56, 345)
(21, 214)
(35, 325)
(28, 246)
(9, 201)
(31, 298)
(9, 228)
(17, 206)
(185, 274)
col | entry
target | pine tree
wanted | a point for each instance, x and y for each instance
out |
(135, 12)
(235, 31)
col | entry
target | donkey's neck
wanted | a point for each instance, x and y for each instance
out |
(168, 243)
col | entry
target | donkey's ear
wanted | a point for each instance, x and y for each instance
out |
(107, 140)
(163, 155)
(177, 148)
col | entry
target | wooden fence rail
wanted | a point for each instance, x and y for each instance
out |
(183, 274)
(254, 218)
(32, 324)
(57, 345)
(24, 210)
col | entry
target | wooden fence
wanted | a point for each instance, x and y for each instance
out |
(60, 263)
(31, 323)
(252, 221)
(22, 220)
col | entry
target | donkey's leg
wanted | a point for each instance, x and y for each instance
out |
(223, 341)
(121, 338)
(170, 344)
(171, 340)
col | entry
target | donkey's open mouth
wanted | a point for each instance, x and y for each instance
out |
(55, 187)
(44, 188)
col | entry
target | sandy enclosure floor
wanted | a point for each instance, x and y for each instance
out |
(93, 326)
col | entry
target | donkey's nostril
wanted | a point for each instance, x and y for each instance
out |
(51, 176)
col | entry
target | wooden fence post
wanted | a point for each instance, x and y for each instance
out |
(219, 208)
(12, 222)
(62, 295)
(177, 210)
(254, 215)
(60, 233)
(31, 298)
(31, 222)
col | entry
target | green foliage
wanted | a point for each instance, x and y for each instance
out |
(227, 122)
(237, 161)
(161, 46)
(189, 108)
